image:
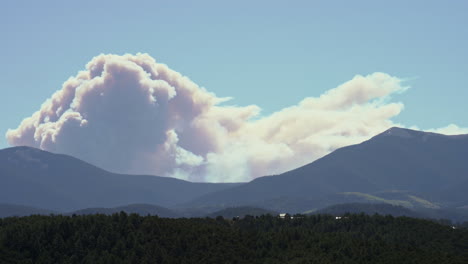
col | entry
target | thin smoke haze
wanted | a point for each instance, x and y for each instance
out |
(130, 114)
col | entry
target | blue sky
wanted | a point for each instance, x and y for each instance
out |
(268, 53)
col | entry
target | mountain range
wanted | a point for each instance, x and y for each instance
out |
(399, 166)
(403, 167)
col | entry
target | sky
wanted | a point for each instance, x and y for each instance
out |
(271, 55)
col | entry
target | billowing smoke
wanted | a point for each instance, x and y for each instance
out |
(130, 114)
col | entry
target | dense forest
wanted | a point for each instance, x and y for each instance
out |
(242, 211)
(369, 208)
(123, 238)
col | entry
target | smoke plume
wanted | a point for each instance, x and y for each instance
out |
(130, 114)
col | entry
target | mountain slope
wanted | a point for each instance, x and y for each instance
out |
(59, 182)
(426, 165)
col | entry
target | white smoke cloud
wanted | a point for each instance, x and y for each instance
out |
(130, 114)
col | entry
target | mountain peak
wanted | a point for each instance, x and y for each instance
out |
(22, 151)
(399, 132)
(25, 156)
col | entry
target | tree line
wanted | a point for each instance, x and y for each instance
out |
(123, 238)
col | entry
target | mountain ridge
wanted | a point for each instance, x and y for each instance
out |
(63, 183)
(399, 159)
(430, 167)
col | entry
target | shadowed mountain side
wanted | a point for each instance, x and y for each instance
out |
(457, 192)
(59, 182)
(427, 164)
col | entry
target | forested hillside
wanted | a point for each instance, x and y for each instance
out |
(368, 208)
(242, 211)
(140, 209)
(122, 238)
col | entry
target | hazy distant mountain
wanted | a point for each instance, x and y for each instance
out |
(141, 209)
(59, 182)
(7, 210)
(427, 167)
